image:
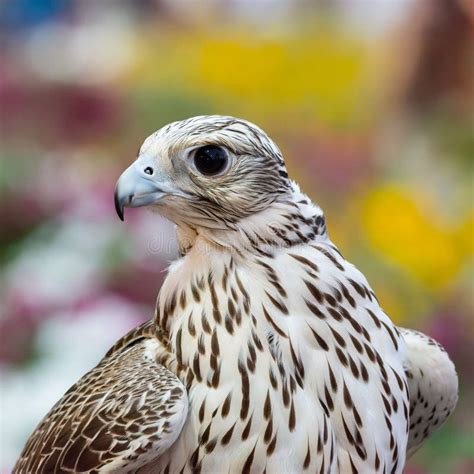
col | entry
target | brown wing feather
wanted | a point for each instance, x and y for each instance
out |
(144, 331)
(121, 415)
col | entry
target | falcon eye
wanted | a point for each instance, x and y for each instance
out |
(210, 160)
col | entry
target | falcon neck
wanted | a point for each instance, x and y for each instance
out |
(206, 288)
(288, 222)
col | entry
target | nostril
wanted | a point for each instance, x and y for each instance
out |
(148, 170)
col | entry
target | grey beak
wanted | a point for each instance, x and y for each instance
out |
(119, 205)
(135, 188)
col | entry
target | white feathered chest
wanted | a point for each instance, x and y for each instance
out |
(289, 348)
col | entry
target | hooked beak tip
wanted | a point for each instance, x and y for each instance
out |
(119, 207)
(134, 188)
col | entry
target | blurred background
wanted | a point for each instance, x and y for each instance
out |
(372, 103)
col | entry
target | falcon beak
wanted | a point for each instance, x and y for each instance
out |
(137, 186)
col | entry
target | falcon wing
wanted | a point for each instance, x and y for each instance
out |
(432, 386)
(121, 415)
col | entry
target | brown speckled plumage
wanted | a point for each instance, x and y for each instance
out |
(119, 416)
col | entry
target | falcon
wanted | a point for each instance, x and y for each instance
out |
(268, 351)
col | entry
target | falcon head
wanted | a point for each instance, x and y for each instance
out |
(205, 172)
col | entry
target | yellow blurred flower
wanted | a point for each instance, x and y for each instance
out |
(413, 238)
(321, 75)
(465, 236)
(317, 72)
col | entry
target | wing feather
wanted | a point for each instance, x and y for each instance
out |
(121, 415)
(432, 385)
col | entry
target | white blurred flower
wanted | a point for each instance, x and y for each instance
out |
(63, 268)
(95, 50)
